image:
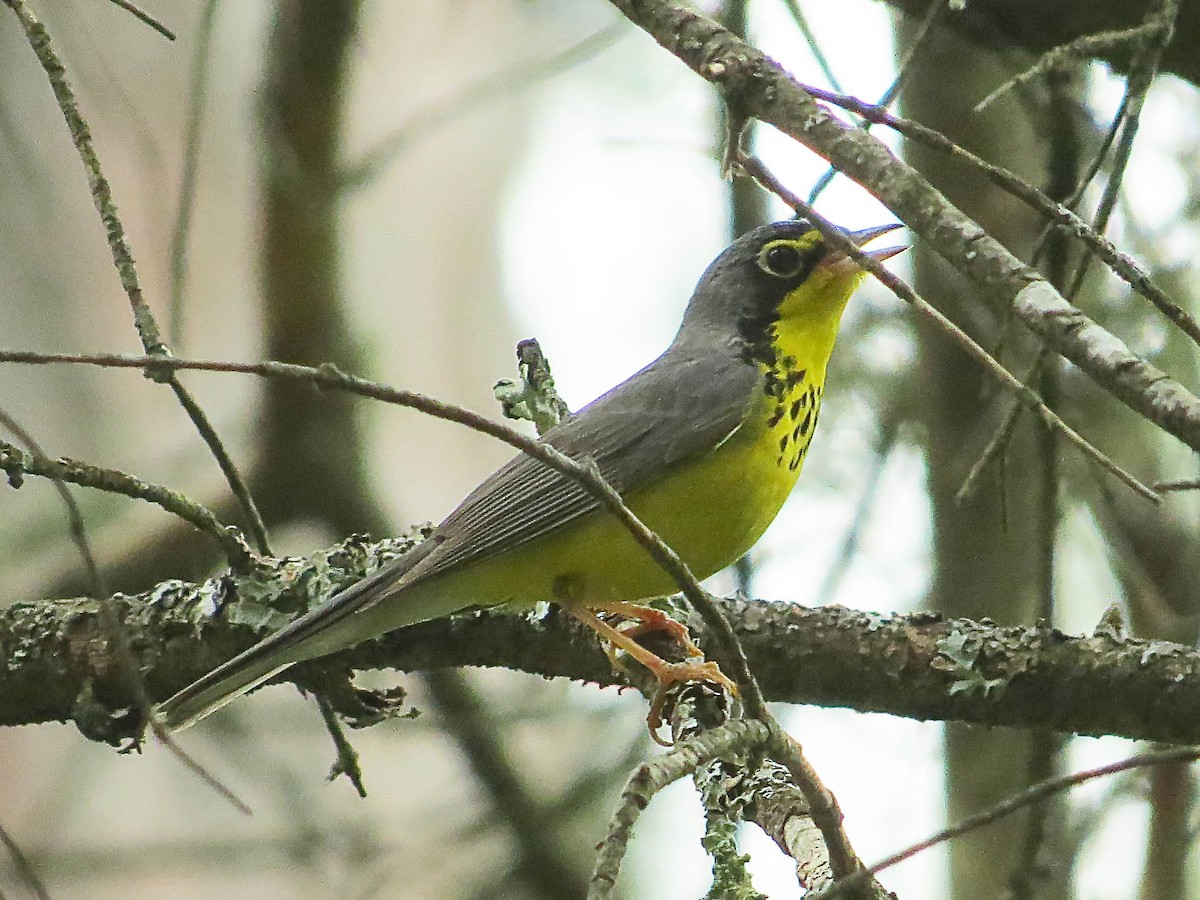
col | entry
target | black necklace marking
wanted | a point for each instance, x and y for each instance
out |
(800, 400)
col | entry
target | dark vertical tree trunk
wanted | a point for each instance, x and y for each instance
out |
(313, 468)
(984, 548)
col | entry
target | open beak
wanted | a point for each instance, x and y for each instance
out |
(838, 262)
(869, 234)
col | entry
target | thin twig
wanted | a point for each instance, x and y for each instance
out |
(145, 17)
(1072, 202)
(23, 866)
(1141, 77)
(933, 14)
(233, 476)
(168, 740)
(1006, 379)
(1126, 122)
(1085, 48)
(101, 192)
(1186, 484)
(346, 761)
(1035, 794)
(503, 84)
(16, 463)
(74, 516)
(810, 40)
(187, 187)
(1003, 433)
(822, 805)
(119, 645)
(1122, 265)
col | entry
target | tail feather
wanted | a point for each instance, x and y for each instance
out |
(345, 620)
(222, 685)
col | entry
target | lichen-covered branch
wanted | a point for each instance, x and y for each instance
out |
(54, 668)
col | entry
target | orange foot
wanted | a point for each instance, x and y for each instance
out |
(666, 673)
(651, 621)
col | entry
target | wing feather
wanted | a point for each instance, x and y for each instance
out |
(679, 407)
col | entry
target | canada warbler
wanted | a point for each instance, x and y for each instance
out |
(704, 444)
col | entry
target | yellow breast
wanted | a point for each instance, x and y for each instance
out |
(710, 510)
(713, 509)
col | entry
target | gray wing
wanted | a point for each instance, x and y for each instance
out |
(633, 432)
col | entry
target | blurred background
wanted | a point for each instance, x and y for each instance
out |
(407, 190)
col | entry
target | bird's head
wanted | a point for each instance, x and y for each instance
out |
(782, 276)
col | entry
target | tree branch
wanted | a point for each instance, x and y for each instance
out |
(1039, 27)
(756, 86)
(918, 666)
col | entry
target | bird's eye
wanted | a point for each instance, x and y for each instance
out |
(780, 259)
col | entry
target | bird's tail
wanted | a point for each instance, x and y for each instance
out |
(346, 619)
(222, 685)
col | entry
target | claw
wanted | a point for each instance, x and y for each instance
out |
(670, 674)
(665, 673)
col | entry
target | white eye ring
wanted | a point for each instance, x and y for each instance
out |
(781, 259)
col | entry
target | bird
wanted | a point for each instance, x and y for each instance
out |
(704, 444)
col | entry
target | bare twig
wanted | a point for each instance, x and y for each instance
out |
(17, 463)
(1187, 484)
(101, 191)
(191, 159)
(924, 33)
(23, 866)
(503, 84)
(1159, 24)
(1080, 49)
(145, 17)
(1076, 197)
(1141, 77)
(1035, 794)
(233, 476)
(74, 516)
(1003, 433)
(167, 740)
(1122, 265)
(346, 762)
(117, 641)
(810, 40)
